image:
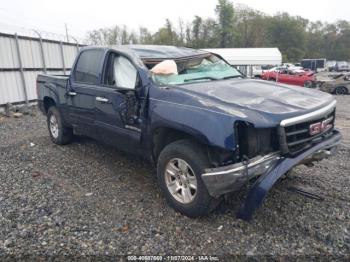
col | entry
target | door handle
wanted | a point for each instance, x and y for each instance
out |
(72, 93)
(101, 99)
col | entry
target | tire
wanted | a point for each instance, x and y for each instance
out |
(189, 156)
(341, 90)
(308, 84)
(59, 133)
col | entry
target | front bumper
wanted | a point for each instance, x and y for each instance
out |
(230, 178)
(270, 167)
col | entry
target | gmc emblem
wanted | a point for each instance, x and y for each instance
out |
(320, 127)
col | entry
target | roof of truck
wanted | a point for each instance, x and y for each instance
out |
(164, 51)
(155, 53)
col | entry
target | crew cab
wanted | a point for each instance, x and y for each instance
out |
(288, 76)
(208, 130)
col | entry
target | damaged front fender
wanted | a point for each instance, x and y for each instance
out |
(261, 187)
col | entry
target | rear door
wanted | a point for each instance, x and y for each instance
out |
(117, 105)
(83, 89)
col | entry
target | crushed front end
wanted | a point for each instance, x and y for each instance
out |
(270, 153)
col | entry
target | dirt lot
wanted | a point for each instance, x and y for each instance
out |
(90, 199)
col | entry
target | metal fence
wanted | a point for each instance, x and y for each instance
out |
(22, 58)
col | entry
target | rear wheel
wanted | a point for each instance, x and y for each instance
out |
(179, 170)
(60, 134)
(341, 90)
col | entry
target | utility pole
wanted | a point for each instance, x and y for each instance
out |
(67, 36)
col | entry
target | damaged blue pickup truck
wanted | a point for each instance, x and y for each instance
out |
(208, 129)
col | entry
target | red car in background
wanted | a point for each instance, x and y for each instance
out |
(291, 77)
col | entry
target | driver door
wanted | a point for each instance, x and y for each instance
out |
(117, 117)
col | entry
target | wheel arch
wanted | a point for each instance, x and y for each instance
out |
(162, 136)
(48, 102)
(341, 86)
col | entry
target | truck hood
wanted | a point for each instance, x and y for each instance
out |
(257, 99)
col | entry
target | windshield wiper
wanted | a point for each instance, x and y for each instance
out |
(200, 78)
(228, 77)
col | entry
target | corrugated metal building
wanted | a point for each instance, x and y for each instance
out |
(245, 58)
(23, 57)
(249, 56)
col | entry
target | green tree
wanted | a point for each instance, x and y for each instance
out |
(289, 35)
(314, 40)
(225, 15)
(145, 36)
(250, 27)
(210, 33)
(197, 32)
(166, 35)
(241, 26)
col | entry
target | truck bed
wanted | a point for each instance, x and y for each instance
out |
(56, 79)
(51, 86)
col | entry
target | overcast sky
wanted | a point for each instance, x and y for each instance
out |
(82, 16)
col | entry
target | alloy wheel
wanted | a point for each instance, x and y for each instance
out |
(181, 180)
(340, 90)
(53, 126)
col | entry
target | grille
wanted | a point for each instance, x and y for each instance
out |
(298, 137)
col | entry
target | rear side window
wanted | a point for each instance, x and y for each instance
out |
(88, 66)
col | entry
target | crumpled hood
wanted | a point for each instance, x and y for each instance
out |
(244, 97)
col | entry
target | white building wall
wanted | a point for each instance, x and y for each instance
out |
(249, 56)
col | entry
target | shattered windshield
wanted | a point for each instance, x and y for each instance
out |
(207, 68)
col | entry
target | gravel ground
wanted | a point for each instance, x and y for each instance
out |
(90, 199)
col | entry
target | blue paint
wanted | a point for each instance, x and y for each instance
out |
(205, 110)
(261, 187)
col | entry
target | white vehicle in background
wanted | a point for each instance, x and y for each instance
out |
(331, 65)
(342, 66)
(257, 71)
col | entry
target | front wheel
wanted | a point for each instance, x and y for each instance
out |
(341, 90)
(59, 133)
(180, 166)
(308, 84)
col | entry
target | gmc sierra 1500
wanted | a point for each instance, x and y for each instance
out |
(208, 129)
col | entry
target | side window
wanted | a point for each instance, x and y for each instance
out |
(120, 72)
(125, 73)
(88, 67)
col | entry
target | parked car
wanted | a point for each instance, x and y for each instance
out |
(305, 78)
(342, 66)
(284, 67)
(257, 71)
(339, 84)
(208, 130)
(331, 66)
